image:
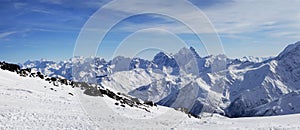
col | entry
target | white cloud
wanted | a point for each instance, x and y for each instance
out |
(41, 11)
(180, 11)
(240, 16)
(58, 2)
(264, 23)
(19, 5)
(6, 34)
(186, 13)
(254, 16)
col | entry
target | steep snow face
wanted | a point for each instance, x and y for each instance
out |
(280, 85)
(156, 91)
(126, 81)
(290, 50)
(286, 104)
(197, 97)
(264, 85)
(257, 86)
(190, 92)
(288, 65)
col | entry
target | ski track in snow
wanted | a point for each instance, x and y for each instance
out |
(28, 103)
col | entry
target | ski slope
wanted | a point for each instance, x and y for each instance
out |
(30, 103)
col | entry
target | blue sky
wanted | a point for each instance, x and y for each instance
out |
(35, 29)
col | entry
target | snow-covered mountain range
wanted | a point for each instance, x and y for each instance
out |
(217, 84)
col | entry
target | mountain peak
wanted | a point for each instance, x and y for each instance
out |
(195, 53)
(184, 50)
(161, 55)
(290, 50)
(190, 50)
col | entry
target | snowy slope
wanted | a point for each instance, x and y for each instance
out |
(29, 103)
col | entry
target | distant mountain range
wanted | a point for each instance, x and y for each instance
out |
(233, 87)
(255, 59)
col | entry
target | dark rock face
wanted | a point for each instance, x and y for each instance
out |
(88, 88)
(93, 92)
(136, 100)
(170, 99)
(161, 60)
(125, 99)
(64, 81)
(237, 108)
(40, 75)
(150, 103)
(10, 67)
(25, 72)
(53, 79)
